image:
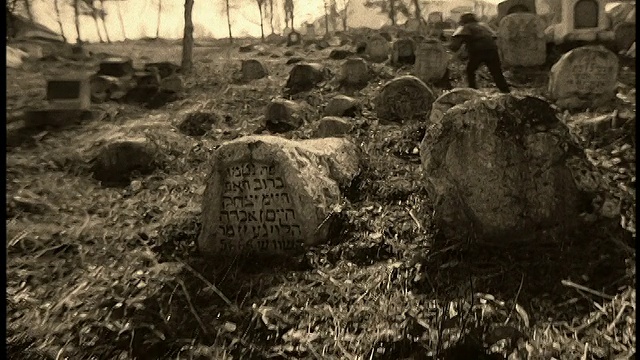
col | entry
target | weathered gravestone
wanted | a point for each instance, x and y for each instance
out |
(340, 54)
(431, 62)
(269, 195)
(450, 99)
(253, 70)
(412, 25)
(70, 92)
(304, 77)
(311, 32)
(585, 76)
(509, 7)
(116, 67)
(377, 49)
(354, 72)
(342, 105)
(435, 18)
(164, 68)
(403, 52)
(274, 38)
(332, 126)
(404, 98)
(283, 115)
(198, 123)
(624, 35)
(496, 169)
(521, 40)
(294, 38)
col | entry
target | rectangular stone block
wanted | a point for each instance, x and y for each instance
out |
(116, 67)
(72, 92)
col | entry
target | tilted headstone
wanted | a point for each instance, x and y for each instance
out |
(311, 32)
(354, 72)
(72, 92)
(304, 77)
(404, 98)
(294, 38)
(509, 7)
(270, 195)
(403, 52)
(116, 67)
(377, 49)
(252, 70)
(521, 40)
(585, 76)
(624, 35)
(496, 169)
(432, 60)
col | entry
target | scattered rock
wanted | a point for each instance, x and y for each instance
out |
(495, 169)
(332, 126)
(340, 54)
(105, 88)
(521, 40)
(450, 99)
(198, 123)
(304, 77)
(253, 70)
(354, 72)
(284, 115)
(342, 105)
(585, 76)
(404, 98)
(269, 195)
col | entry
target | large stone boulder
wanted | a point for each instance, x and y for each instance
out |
(282, 115)
(585, 76)
(521, 40)
(270, 195)
(450, 99)
(304, 77)
(404, 98)
(495, 169)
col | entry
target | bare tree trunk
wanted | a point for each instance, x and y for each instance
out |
(417, 10)
(187, 39)
(124, 33)
(392, 12)
(344, 17)
(159, 13)
(59, 19)
(104, 24)
(27, 6)
(95, 20)
(326, 18)
(271, 16)
(229, 22)
(261, 21)
(76, 14)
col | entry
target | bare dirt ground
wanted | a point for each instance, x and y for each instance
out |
(113, 273)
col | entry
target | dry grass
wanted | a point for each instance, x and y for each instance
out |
(112, 273)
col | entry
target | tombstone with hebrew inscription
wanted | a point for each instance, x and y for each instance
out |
(271, 195)
(521, 40)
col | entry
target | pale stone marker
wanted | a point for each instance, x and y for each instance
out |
(431, 61)
(521, 40)
(378, 49)
(261, 199)
(585, 76)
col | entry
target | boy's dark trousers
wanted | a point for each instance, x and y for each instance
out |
(491, 58)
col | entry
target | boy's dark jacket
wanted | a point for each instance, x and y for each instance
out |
(477, 38)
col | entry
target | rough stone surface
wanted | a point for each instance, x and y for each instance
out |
(294, 60)
(198, 123)
(284, 115)
(403, 52)
(119, 159)
(377, 49)
(294, 38)
(521, 40)
(340, 54)
(15, 57)
(269, 195)
(304, 77)
(404, 98)
(496, 169)
(253, 70)
(431, 61)
(585, 76)
(624, 35)
(450, 99)
(342, 105)
(354, 72)
(172, 83)
(116, 67)
(332, 126)
(164, 68)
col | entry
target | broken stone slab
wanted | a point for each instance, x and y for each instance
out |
(521, 40)
(584, 77)
(354, 72)
(72, 91)
(116, 67)
(306, 76)
(404, 98)
(332, 126)
(340, 54)
(432, 61)
(267, 195)
(450, 99)
(253, 70)
(164, 68)
(496, 169)
(283, 115)
(403, 52)
(342, 105)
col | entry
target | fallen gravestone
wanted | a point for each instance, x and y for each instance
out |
(253, 70)
(283, 115)
(450, 99)
(521, 40)
(377, 49)
(332, 126)
(304, 77)
(404, 98)
(431, 62)
(268, 195)
(342, 105)
(496, 169)
(294, 38)
(403, 52)
(340, 54)
(354, 73)
(585, 76)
